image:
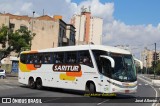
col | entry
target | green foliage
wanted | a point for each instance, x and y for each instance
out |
(157, 69)
(17, 40)
(3, 35)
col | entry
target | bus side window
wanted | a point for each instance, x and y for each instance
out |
(23, 58)
(58, 57)
(47, 58)
(31, 58)
(85, 58)
(35, 58)
(40, 58)
(71, 57)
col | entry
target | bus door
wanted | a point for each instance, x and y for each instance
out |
(106, 64)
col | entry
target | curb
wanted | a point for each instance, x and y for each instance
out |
(154, 82)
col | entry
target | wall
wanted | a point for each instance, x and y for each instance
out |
(80, 27)
(46, 34)
(96, 30)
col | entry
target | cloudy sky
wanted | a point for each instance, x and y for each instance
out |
(128, 22)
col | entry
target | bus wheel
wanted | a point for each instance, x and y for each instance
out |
(39, 83)
(31, 83)
(92, 88)
(1, 77)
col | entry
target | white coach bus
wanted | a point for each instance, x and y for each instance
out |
(91, 68)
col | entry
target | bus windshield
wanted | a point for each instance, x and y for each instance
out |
(124, 68)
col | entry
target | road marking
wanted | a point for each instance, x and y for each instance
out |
(3, 87)
(103, 102)
(153, 104)
(139, 84)
(6, 86)
(146, 84)
(6, 81)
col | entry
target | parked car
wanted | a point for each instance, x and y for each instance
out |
(2, 73)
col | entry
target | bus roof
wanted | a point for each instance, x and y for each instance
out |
(84, 47)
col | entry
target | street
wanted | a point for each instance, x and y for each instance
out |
(11, 88)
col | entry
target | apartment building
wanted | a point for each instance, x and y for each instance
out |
(50, 31)
(148, 57)
(88, 27)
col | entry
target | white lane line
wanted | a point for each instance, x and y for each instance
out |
(6, 86)
(146, 84)
(103, 102)
(153, 104)
(139, 84)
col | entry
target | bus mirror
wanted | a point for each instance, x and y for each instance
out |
(110, 59)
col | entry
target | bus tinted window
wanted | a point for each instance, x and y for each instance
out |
(35, 58)
(71, 57)
(58, 57)
(97, 54)
(23, 58)
(85, 58)
(40, 58)
(47, 58)
(30, 59)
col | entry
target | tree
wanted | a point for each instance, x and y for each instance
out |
(157, 69)
(14, 41)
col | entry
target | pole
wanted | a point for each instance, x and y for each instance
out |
(146, 64)
(155, 57)
(32, 28)
(43, 12)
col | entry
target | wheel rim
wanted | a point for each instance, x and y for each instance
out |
(92, 88)
(39, 83)
(31, 83)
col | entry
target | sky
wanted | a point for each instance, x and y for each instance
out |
(125, 22)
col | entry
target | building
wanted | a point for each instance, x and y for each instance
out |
(88, 28)
(50, 31)
(148, 57)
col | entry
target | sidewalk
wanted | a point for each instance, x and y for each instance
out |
(155, 82)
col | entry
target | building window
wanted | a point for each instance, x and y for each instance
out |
(23, 27)
(42, 28)
(60, 31)
(12, 26)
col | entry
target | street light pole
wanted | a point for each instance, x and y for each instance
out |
(155, 57)
(32, 28)
(32, 21)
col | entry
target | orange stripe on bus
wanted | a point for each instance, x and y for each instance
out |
(75, 74)
(30, 67)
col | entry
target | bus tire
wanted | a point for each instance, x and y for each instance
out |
(39, 83)
(1, 77)
(92, 88)
(31, 83)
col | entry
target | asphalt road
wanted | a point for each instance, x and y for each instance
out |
(10, 88)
